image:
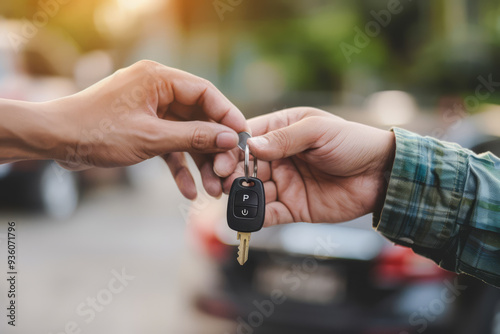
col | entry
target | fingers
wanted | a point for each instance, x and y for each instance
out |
(181, 112)
(264, 174)
(277, 213)
(196, 136)
(178, 167)
(238, 172)
(289, 140)
(271, 191)
(191, 90)
(263, 124)
(225, 163)
(211, 182)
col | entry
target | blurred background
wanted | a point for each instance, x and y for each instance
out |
(428, 66)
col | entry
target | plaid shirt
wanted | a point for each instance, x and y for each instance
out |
(443, 201)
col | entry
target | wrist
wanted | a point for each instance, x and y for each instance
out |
(383, 173)
(30, 131)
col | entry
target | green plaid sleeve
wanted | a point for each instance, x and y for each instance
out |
(443, 201)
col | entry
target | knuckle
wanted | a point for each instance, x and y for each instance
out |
(146, 67)
(315, 112)
(206, 83)
(314, 121)
(282, 141)
(119, 72)
(200, 139)
(145, 64)
(274, 216)
(283, 118)
(208, 88)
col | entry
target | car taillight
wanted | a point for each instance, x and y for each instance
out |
(203, 232)
(396, 265)
(210, 244)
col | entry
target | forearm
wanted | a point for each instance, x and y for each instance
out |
(443, 202)
(29, 131)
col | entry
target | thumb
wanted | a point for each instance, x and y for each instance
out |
(287, 141)
(195, 136)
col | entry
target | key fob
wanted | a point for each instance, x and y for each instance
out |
(246, 205)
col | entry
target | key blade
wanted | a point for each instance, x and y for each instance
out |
(244, 239)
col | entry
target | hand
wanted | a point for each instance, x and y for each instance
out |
(316, 167)
(144, 111)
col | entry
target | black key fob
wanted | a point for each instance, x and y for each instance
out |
(246, 205)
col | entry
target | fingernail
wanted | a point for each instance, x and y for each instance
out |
(259, 142)
(216, 171)
(220, 167)
(227, 140)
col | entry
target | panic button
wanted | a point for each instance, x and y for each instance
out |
(246, 197)
(245, 211)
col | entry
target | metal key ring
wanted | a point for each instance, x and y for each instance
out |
(247, 163)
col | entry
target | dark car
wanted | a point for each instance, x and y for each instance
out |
(334, 278)
(40, 185)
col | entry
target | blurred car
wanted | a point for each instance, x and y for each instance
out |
(41, 185)
(334, 278)
(45, 186)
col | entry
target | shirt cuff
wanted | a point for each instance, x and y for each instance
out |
(424, 196)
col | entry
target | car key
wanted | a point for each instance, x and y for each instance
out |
(246, 211)
(246, 206)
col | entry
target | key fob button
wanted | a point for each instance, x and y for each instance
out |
(246, 205)
(245, 211)
(246, 197)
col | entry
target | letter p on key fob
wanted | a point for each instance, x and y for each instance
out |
(246, 205)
